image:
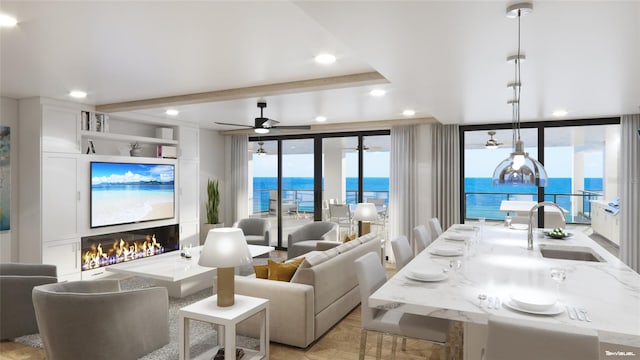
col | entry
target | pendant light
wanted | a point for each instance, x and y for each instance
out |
(518, 168)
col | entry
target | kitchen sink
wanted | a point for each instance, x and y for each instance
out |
(578, 253)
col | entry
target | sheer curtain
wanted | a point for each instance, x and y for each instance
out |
(239, 177)
(630, 191)
(424, 180)
(445, 203)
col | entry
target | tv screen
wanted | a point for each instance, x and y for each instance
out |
(123, 193)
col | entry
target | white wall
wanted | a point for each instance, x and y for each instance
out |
(9, 239)
(212, 166)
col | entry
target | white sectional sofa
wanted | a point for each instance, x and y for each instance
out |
(322, 291)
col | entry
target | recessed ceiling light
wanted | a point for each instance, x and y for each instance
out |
(78, 94)
(377, 92)
(409, 112)
(321, 118)
(560, 113)
(172, 112)
(7, 21)
(325, 59)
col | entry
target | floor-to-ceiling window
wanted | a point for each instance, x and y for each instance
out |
(300, 176)
(580, 158)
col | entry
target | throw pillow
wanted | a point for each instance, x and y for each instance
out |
(262, 271)
(348, 237)
(283, 271)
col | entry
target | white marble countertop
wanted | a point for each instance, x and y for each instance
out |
(500, 265)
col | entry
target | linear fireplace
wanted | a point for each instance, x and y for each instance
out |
(108, 249)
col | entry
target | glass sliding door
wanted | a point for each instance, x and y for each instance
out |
(481, 197)
(263, 184)
(584, 167)
(340, 181)
(375, 170)
(297, 193)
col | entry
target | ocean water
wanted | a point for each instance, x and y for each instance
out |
(482, 199)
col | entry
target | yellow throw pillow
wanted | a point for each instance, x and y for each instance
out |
(348, 237)
(283, 271)
(262, 271)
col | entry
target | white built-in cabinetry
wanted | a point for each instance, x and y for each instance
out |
(54, 179)
(605, 224)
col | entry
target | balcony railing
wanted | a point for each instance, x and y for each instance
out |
(301, 201)
(487, 204)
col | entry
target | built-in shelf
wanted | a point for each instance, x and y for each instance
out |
(126, 138)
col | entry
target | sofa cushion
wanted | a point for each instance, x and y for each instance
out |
(347, 246)
(283, 271)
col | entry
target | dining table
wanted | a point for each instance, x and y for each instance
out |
(485, 269)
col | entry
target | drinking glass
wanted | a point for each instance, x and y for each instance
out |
(455, 265)
(558, 275)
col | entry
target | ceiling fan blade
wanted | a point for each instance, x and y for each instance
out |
(229, 124)
(293, 127)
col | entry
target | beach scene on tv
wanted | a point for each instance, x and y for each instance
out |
(124, 193)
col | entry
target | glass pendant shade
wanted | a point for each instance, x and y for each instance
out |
(520, 169)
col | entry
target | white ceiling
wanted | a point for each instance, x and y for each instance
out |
(443, 58)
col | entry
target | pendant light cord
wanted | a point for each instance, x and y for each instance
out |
(518, 81)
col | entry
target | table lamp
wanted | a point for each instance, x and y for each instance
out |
(365, 212)
(225, 248)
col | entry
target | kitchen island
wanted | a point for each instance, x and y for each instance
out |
(498, 265)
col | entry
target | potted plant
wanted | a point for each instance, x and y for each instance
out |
(212, 207)
(135, 149)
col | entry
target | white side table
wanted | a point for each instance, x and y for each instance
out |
(207, 310)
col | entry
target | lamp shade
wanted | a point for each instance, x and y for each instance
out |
(366, 212)
(520, 169)
(225, 247)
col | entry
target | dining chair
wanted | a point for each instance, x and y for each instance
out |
(341, 215)
(520, 339)
(436, 228)
(371, 276)
(401, 251)
(421, 238)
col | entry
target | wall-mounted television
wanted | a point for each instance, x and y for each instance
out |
(124, 193)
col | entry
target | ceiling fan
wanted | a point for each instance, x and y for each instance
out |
(261, 151)
(263, 125)
(492, 143)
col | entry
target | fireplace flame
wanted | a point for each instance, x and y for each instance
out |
(120, 251)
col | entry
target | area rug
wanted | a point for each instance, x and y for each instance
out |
(203, 336)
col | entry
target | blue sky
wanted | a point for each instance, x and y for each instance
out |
(115, 173)
(376, 164)
(478, 163)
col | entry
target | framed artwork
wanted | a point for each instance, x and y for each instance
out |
(5, 178)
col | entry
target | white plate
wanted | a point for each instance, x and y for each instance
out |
(456, 237)
(440, 277)
(446, 251)
(533, 300)
(554, 310)
(428, 273)
(519, 226)
(464, 227)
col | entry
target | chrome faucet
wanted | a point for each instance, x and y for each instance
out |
(535, 208)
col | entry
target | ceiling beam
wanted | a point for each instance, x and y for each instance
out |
(335, 82)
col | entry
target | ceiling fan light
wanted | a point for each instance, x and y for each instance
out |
(261, 131)
(491, 146)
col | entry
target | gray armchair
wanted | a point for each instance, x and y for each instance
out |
(309, 236)
(17, 317)
(94, 319)
(256, 230)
